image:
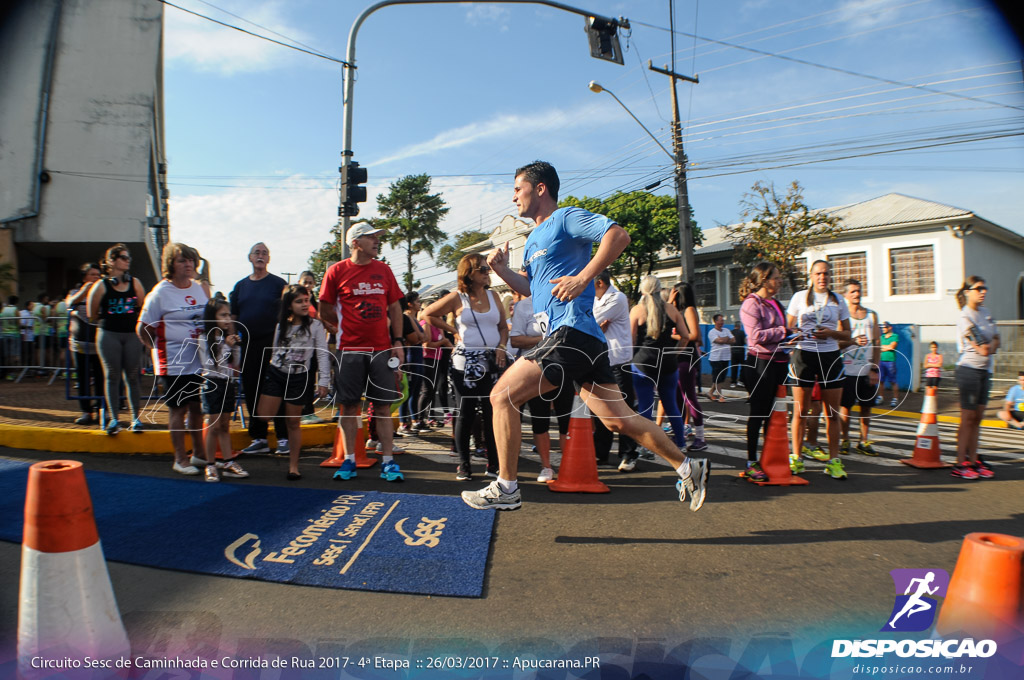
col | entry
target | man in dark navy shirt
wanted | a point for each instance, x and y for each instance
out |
(255, 305)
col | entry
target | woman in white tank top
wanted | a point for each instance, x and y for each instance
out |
(481, 334)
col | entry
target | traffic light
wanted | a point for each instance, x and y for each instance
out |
(604, 39)
(352, 193)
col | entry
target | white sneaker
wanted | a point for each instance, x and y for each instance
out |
(233, 470)
(546, 475)
(197, 461)
(627, 465)
(372, 444)
(696, 484)
(185, 469)
(491, 497)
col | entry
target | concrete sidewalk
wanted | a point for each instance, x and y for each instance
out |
(38, 416)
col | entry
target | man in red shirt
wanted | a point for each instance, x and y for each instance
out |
(360, 296)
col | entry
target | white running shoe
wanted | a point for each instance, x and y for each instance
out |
(185, 469)
(546, 475)
(696, 484)
(491, 496)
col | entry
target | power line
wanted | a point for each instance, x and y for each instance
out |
(826, 67)
(321, 55)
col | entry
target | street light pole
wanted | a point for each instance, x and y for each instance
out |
(350, 66)
(679, 161)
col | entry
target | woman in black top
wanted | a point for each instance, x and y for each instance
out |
(82, 342)
(115, 302)
(656, 355)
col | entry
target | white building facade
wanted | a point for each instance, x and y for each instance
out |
(82, 155)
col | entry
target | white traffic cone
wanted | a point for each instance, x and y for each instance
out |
(66, 606)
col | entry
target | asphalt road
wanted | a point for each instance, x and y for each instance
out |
(631, 573)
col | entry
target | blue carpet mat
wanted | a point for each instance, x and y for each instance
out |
(344, 538)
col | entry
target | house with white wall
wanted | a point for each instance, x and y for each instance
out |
(82, 154)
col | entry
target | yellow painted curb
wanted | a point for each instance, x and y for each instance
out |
(68, 440)
(942, 419)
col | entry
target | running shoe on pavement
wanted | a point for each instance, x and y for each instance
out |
(372, 444)
(844, 448)
(546, 475)
(282, 447)
(463, 473)
(627, 464)
(796, 464)
(136, 426)
(696, 485)
(113, 427)
(347, 470)
(834, 469)
(964, 471)
(644, 452)
(866, 449)
(257, 446)
(816, 452)
(698, 445)
(211, 474)
(391, 473)
(232, 469)
(754, 472)
(491, 496)
(892, 402)
(984, 470)
(185, 469)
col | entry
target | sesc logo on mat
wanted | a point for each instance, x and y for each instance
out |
(915, 609)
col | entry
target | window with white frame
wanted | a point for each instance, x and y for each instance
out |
(912, 270)
(849, 266)
(705, 288)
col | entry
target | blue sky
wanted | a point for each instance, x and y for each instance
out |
(921, 97)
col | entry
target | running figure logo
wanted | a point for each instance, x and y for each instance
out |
(914, 610)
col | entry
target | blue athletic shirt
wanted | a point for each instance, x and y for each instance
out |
(562, 246)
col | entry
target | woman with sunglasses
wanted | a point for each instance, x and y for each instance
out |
(114, 303)
(978, 341)
(481, 335)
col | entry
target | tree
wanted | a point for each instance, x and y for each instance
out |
(411, 215)
(8, 279)
(652, 222)
(778, 229)
(450, 254)
(329, 252)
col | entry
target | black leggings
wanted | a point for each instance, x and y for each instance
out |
(763, 377)
(466, 401)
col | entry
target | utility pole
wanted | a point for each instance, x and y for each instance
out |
(682, 195)
(289, 275)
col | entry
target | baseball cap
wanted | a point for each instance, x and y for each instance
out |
(361, 229)
(886, 323)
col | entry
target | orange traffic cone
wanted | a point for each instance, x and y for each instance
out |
(926, 444)
(66, 607)
(577, 472)
(775, 452)
(338, 452)
(219, 454)
(985, 598)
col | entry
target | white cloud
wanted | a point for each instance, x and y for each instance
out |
(506, 125)
(294, 221)
(208, 46)
(477, 15)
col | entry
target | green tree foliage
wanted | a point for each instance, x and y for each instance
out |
(411, 215)
(779, 228)
(450, 254)
(329, 252)
(8, 279)
(652, 223)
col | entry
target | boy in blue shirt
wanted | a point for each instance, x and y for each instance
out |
(558, 272)
(1013, 406)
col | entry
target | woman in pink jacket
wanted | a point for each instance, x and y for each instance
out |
(765, 324)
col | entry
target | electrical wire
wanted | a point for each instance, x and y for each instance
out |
(321, 55)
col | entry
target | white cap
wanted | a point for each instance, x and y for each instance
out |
(361, 229)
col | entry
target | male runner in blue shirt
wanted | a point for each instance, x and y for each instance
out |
(559, 274)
